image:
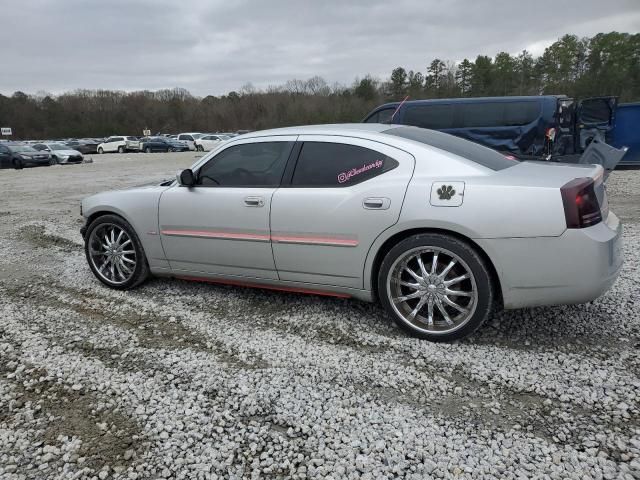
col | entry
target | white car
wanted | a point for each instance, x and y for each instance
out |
(209, 142)
(190, 139)
(115, 144)
(60, 153)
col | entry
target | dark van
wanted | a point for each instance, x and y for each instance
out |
(549, 126)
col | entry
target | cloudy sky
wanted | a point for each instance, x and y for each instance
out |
(212, 46)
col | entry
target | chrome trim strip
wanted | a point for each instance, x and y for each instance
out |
(218, 235)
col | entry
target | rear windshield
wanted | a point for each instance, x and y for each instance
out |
(458, 146)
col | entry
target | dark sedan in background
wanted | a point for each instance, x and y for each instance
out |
(84, 146)
(18, 156)
(162, 144)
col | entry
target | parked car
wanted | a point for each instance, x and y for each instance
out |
(210, 141)
(83, 146)
(15, 155)
(115, 144)
(547, 126)
(132, 144)
(60, 153)
(626, 132)
(189, 139)
(162, 144)
(435, 227)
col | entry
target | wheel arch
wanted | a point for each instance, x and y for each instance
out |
(399, 236)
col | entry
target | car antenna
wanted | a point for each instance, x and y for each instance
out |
(398, 108)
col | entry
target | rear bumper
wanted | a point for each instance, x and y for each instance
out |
(576, 267)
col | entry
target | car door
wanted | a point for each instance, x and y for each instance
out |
(111, 144)
(220, 227)
(343, 193)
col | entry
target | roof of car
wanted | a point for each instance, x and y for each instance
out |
(329, 129)
(506, 99)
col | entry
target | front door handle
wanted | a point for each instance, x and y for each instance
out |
(376, 203)
(254, 201)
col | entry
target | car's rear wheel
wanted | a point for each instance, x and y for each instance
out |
(436, 287)
(147, 150)
(115, 254)
(170, 149)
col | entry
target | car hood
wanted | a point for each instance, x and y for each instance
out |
(33, 154)
(66, 152)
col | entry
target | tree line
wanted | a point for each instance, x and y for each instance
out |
(605, 64)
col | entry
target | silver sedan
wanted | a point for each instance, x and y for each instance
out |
(439, 230)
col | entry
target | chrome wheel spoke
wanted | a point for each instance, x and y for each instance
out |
(430, 307)
(456, 280)
(128, 260)
(415, 311)
(407, 297)
(448, 268)
(414, 286)
(423, 270)
(458, 293)
(415, 276)
(444, 313)
(434, 264)
(453, 304)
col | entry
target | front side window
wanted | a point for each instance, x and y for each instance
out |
(323, 164)
(259, 164)
(3, 149)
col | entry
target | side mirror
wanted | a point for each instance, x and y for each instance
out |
(186, 178)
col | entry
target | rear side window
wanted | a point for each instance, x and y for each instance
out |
(430, 116)
(498, 114)
(325, 164)
(258, 164)
(458, 146)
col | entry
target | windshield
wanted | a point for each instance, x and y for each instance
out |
(21, 148)
(196, 136)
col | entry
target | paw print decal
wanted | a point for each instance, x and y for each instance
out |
(446, 192)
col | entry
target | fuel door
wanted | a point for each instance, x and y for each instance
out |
(447, 194)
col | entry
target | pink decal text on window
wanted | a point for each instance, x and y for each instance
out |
(345, 176)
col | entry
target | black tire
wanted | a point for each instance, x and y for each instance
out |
(170, 149)
(483, 303)
(53, 161)
(100, 151)
(141, 270)
(200, 148)
(18, 164)
(121, 149)
(147, 150)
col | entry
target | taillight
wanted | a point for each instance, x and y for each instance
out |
(581, 207)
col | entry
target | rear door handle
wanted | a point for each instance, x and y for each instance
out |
(254, 201)
(376, 203)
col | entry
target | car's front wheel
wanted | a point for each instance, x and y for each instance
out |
(53, 161)
(114, 253)
(121, 149)
(436, 287)
(18, 164)
(100, 150)
(147, 150)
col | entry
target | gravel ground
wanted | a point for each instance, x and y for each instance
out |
(186, 380)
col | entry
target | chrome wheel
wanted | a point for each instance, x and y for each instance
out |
(432, 289)
(112, 253)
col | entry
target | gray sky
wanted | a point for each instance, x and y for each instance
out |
(213, 46)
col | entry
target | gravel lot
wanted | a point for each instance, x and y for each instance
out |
(186, 380)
